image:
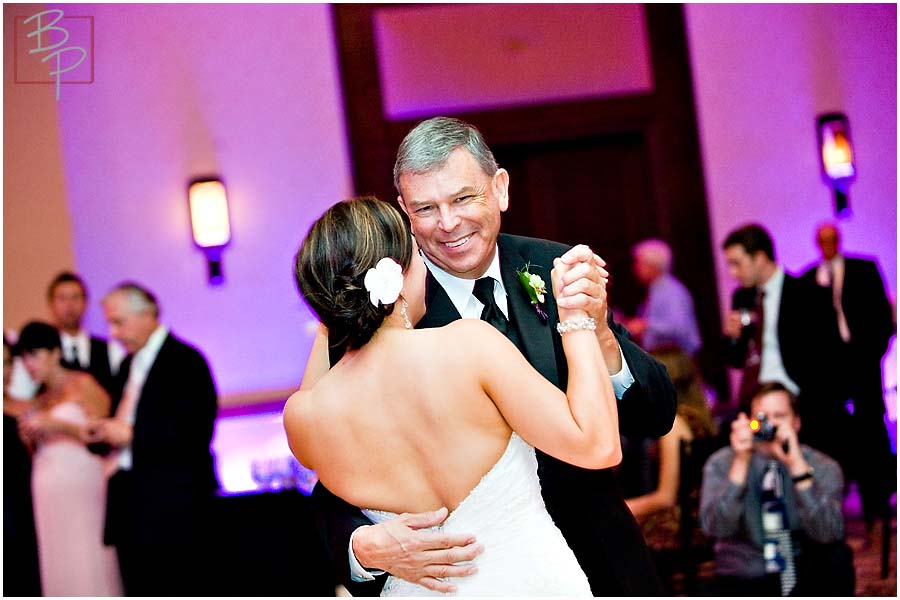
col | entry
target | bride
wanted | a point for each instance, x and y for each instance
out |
(414, 420)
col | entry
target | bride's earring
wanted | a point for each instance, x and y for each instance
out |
(403, 305)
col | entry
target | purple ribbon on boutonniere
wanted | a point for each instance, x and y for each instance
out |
(535, 288)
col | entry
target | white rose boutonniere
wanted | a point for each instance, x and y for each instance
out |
(536, 289)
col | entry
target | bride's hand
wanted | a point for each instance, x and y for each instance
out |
(422, 557)
(33, 426)
(582, 284)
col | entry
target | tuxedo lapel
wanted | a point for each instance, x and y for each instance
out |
(439, 309)
(536, 337)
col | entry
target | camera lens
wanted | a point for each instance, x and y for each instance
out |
(763, 429)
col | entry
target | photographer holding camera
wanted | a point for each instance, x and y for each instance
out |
(773, 506)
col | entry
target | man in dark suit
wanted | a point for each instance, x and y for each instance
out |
(453, 192)
(160, 497)
(782, 329)
(866, 324)
(67, 300)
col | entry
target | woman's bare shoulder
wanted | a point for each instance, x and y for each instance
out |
(298, 405)
(471, 328)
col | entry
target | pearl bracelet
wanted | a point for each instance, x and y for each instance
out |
(573, 325)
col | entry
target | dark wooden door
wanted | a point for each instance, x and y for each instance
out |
(573, 192)
(607, 172)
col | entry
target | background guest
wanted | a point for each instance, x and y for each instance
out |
(666, 316)
(160, 495)
(783, 329)
(658, 510)
(866, 324)
(21, 576)
(774, 509)
(67, 299)
(68, 482)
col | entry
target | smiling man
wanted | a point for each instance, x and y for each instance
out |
(454, 192)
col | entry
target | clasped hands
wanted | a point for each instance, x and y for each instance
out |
(579, 283)
(115, 432)
(399, 546)
(37, 425)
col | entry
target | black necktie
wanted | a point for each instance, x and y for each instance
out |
(484, 291)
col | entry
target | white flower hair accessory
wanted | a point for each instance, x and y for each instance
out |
(384, 282)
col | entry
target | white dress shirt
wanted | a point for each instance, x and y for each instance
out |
(771, 366)
(77, 349)
(830, 273)
(140, 366)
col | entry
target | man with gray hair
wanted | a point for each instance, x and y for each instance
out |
(453, 192)
(164, 480)
(666, 316)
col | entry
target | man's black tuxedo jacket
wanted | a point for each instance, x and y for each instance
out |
(807, 337)
(586, 505)
(871, 322)
(166, 494)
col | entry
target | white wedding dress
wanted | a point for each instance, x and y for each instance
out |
(524, 552)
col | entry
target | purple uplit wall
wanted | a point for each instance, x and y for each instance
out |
(762, 73)
(248, 92)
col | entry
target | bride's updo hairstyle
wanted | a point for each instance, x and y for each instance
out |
(348, 240)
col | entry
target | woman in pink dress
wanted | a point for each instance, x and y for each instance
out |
(68, 482)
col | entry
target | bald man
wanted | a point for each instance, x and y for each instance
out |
(867, 323)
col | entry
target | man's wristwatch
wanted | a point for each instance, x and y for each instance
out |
(803, 477)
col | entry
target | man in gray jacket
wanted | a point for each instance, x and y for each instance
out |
(773, 507)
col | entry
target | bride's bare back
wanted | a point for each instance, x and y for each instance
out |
(401, 425)
(414, 419)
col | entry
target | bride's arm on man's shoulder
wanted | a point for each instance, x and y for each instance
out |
(579, 427)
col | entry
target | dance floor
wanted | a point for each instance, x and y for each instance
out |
(867, 554)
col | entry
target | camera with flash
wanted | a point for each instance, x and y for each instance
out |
(763, 429)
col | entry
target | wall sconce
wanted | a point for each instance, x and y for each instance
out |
(836, 152)
(209, 222)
